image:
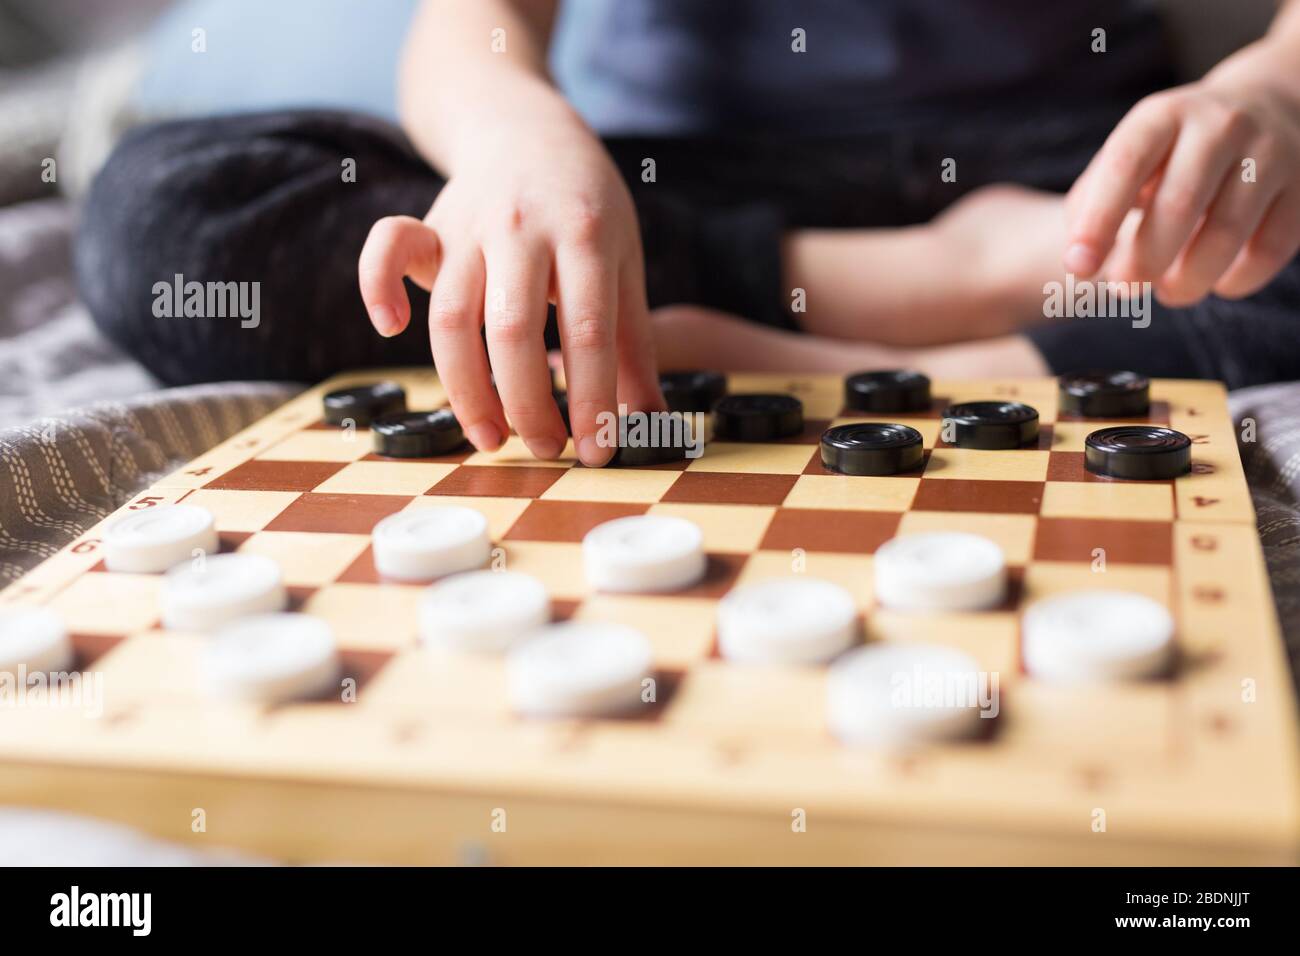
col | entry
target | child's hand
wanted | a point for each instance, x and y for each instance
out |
(525, 222)
(1215, 170)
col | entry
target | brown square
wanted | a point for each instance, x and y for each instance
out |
(88, 648)
(362, 665)
(340, 514)
(719, 577)
(845, 532)
(362, 569)
(299, 595)
(260, 475)
(567, 520)
(729, 488)
(562, 609)
(990, 497)
(231, 540)
(1069, 466)
(497, 481)
(1124, 542)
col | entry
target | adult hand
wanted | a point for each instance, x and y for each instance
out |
(1214, 168)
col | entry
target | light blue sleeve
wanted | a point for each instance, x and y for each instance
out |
(273, 54)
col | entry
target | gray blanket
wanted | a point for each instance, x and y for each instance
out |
(1272, 464)
(87, 426)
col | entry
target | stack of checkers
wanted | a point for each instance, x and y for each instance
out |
(258, 652)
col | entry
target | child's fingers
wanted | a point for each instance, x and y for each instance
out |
(1273, 245)
(638, 374)
(588, 319)
(1131, 154)
(1228, 226)
(455, 317)
(1197, 170)
(518, 278)
(397, 247)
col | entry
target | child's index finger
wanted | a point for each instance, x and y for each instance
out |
(397, 247)
(1116, 177)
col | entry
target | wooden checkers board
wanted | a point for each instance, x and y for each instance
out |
(732, 764)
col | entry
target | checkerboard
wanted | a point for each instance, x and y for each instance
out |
(732, 763)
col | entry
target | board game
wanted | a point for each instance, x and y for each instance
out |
(426, 763)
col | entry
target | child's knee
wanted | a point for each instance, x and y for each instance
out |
(132, 218)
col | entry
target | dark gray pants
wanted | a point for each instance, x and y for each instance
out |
(261, 198)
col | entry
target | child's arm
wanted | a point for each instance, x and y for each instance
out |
(533, 211)
(1215, 165)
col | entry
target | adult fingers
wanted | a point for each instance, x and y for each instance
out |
(1228, 226)
(1196, 172)
(518, 278)
(1132, 152)
(1273, 245)
(455, 317)
(396, 247)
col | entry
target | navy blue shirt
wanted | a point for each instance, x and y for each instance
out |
(695, 67)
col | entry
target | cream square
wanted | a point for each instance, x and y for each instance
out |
(850, 571)
(727, 528)
(369, 616)
(425, 680)
(1130, 723)
(1088, 499)
(988, 636)
(242, 510)
(501, 513)
(752, 702)
(634, 485)
(307, 558)
(344, 444)
(156, 665)
(557, 564)
(754, 458)
(680, 629)
(1048, 578)
(514, 452)
(385, 478)
(1069, 436)
(852, 493)
(109, 603)
(1013, 533)
(1021, 464)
